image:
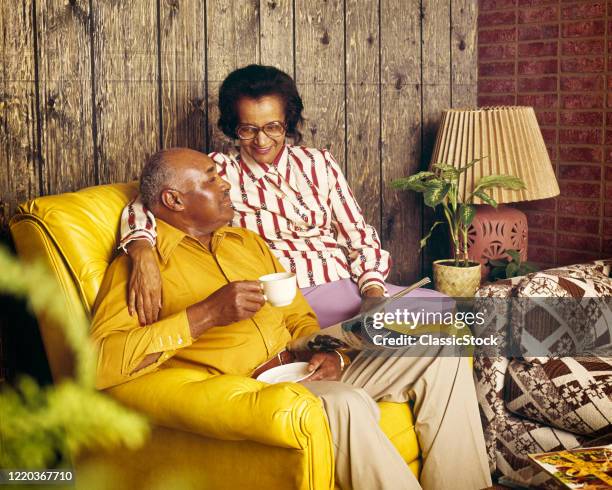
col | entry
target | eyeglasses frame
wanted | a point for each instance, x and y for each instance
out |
(261, 128)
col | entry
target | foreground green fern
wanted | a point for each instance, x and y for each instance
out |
(45, 427)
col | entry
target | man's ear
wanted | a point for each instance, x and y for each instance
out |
(172, 199)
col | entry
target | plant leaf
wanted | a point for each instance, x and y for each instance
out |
(416, 182)
(404, 184)
(426, 237)
(467, 213)
(503, 181)
(470, 164)
(436, 193)
(512, 269)
(486, 198)
(452, 196)
(447, 172)
(422, 175)
(498, 263)
(515, 254)
(498, 273)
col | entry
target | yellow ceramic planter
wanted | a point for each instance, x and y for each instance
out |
(456, 281)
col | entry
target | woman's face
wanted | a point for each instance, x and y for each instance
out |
(259, 112)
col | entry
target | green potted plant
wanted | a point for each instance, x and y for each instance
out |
(440, 187)
(512, 266)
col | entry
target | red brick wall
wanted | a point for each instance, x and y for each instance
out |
(556, 55)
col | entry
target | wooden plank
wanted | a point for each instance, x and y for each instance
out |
(436, 66)
(183, 73)
(401, 134)
(319, 42)
(324, 117)
(217, 141)
(19, 171)
(319, 55)
(363, 107)
(464, 61)
(436, 97)
(126, 87)
(276, 36)
(232, 42)
(465, 96)
(64, 47)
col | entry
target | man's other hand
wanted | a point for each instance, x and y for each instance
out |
(145, 286)
(233, 302)
(325, 366)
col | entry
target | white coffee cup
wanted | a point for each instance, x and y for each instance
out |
(279, 288)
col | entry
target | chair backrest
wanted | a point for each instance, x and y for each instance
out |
(75, 234)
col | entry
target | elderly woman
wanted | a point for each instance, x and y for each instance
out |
(295, 197)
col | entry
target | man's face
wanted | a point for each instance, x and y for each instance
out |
(259, 113)
(205, 195)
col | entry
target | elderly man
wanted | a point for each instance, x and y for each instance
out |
(215, 318)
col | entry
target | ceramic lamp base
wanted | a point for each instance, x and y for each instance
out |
(495, 230)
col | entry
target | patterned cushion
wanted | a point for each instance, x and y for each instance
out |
(508, 437)
(517, 437)
(580, 322)
(574, 394)
(576, 281)
(605, 266)
(493, 301)
(498, 289)
(586, 269)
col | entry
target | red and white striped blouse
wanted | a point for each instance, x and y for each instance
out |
(303, 208)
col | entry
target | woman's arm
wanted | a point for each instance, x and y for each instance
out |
(137, 223)
(138, 238)
(369, 263)
(145, 284)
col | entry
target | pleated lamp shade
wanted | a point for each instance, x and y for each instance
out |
(508, 140)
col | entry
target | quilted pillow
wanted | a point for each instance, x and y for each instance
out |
(605, 266)
(494, 300)
(573, 394)
(562, 312)
(576, 281)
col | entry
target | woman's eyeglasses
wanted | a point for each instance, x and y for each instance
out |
(272, 129)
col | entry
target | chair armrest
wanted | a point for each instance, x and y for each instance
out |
(227, 407)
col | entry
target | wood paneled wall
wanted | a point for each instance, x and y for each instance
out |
(90, 88)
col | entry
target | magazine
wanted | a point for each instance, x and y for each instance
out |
(583, 468)
(348, 334)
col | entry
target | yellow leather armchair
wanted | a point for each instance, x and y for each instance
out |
(218, 432)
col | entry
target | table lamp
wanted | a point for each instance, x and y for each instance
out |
(508, 141)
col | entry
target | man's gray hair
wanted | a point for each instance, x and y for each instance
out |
(156, 175)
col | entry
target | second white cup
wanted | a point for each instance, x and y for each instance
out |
(279, 288)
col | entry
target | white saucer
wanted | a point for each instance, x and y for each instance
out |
(296, 371)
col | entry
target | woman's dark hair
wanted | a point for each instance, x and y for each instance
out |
(255, 81)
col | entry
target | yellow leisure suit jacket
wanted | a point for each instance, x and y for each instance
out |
(221, 431)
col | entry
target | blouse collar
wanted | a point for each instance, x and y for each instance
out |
(274, 171)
